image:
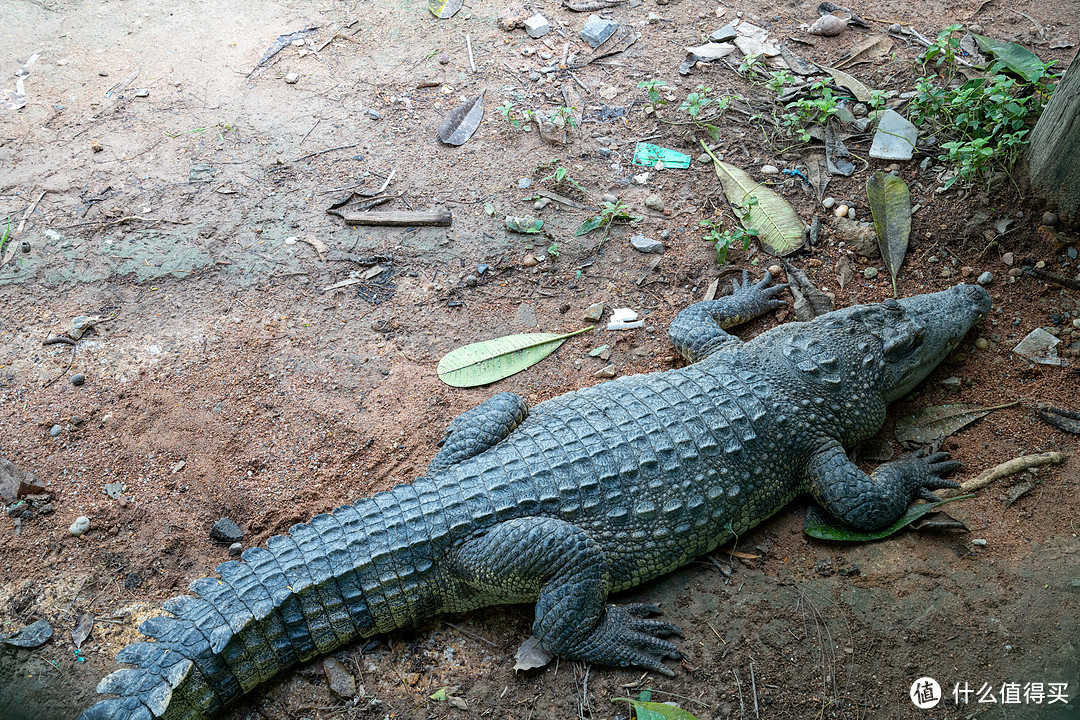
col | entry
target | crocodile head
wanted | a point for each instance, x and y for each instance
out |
(918, 332)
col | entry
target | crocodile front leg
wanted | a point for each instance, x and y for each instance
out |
(698, 330)
(871, 502)
(557, 564)
(476, 430)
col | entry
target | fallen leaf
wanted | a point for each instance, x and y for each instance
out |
(890, 205)
(83, 627)
(485, 362)
(868, 49)
(32, 635)
(836, 153)
(821, 526)
(462, 121)
(531, 655)
(860, 91)
(940, 421)
(845, 270)
(526, 224)
(780, 231)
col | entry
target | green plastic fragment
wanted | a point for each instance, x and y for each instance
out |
(649, 155)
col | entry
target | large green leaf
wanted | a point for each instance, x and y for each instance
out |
(589, 225)
(817, 525)
(890, 204)
(940, 421)
(1017, 58)
(656, 711)
(485, 362)
(780, 230)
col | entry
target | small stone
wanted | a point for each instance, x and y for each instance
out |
(142, 92)
(1049, 218)
(374, 115)
(530, 261)
(654, 202)
(981, 343)
(593, 313)
(724, 34)
(851, 213)
(96, 146)
(704, 158)
(926, 163)
(537, 26)
(524, 183)
(828, 26)
(870, 273)
(78, 379)
(986, 278)
(225, 530)
(769, 170)
(236, 548)
(775, 270)
(609, 198)
(471, 280)
(292, 78)
(444, 59)
(80, 526)
(653, 18)
(828, 203)
(647, 245)
(952, 384)
(564, 308)
(859, 110)
(541, 203)
(608, 371)
(841, 210)
(340, 680)
(25, 246)
(55, 430)
(597, 30)
(978, 541)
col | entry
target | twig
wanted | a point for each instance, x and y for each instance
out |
(323, 152)
(742, 705)
(309, 131)
(753, 685)
(70, 365)
(474, 636)
(57, 340)
(1005, 469)
(30, 211)
(386, 182)
(468, 43)
(578, 81)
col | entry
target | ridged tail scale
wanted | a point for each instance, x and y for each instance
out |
(358, 571)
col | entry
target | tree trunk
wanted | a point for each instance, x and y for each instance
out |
(1054, 150)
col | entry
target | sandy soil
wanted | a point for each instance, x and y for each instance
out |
(188, 230)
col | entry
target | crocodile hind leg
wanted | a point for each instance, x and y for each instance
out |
(699, 329)
(871, 502)
(474, 431)
(559, 566)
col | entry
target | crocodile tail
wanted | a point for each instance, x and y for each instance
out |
(347, 574)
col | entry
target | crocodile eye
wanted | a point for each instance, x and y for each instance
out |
(891, 304)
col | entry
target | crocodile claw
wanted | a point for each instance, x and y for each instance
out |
(932, 467)
(627, 636)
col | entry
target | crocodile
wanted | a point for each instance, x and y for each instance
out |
(586, 494)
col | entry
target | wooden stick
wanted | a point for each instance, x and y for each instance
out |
(30, 211)
(468, 42)
(437, 218)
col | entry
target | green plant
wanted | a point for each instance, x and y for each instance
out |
(522, 121)
(6, 238)
(609, 213)
(811, 110)
(724, 239)
(877, 99)
(942, 52)
(752, 67)
(984, 122)
(560, 176)
(778, 79)
(695, 101)
(652, 89)
(567, 115)
(553, 250)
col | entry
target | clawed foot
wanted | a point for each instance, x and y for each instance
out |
(628, 636)
(761, 292)
(928, 472)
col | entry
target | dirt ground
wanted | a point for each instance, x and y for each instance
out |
(227, 382)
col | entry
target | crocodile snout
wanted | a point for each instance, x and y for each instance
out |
(977, 297)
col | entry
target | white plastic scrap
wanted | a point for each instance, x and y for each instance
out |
(624, 319)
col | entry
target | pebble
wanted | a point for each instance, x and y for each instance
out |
(530, 261)
(851, 213)
(952, 384)
(374, 115)
(292, 78)
(1049, 218)
(564, 308)
(647, 244)
(609, 198)
(859, 110)
(654, 202)
(444, 59)
(870, 273)
(653, 18)
(769, 170)
(986, 278)
(236, 548)
(775, 270)
(926, 163)
(80, 526)
(78, 379)
(225, 530)
(828, 203)
(841, 210)
(1008, 258)
(981, 343)
(593, 313)
(25, 246)
(55, 430)
(96, 146)
(541, 203)
(608, 371)
(978, 541)
(470, 280)
(605, 152)
(524, 183)
(537, 26)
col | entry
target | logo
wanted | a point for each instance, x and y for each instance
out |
(925, 693)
